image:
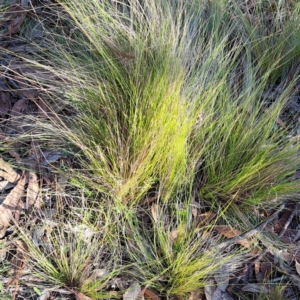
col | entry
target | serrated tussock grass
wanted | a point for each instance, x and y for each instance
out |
(170, 254)
(164, 96)
(151, 85)
(78, 250)
(272, 31)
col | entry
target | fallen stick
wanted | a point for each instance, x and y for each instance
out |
(251, 232)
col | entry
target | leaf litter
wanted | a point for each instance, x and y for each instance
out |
(10, 206)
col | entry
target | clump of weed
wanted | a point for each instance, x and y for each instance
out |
(150, 84)
(76, 250)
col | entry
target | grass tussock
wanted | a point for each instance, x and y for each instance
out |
(272, 31)
(170, 254)
(159, 87)
(77, 250)
(171, 99)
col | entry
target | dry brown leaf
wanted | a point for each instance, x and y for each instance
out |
(18, 211)
(205, 218)
(266, 270)
(80, 296)
(33, 196)
(149, 295)
(19, 108)
(26, 91)
(7, 172)
(43, 107)
(11, 13)
(263, 271)
(285, 256)
(15, 154)
(281, 222)
(5, 103)
(257, 271)
(15, 24)
(230, 232)
(196, 295)
(17, 262)
(9, 205)
(17, 266)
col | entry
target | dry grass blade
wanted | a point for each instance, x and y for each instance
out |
(7, 172)
(9, 205)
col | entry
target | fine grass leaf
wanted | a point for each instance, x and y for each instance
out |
(230, 232)
(37, 291)
(7, 172)
(9, 205)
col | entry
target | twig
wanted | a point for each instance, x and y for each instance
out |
(251, 232)
(286, 225)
